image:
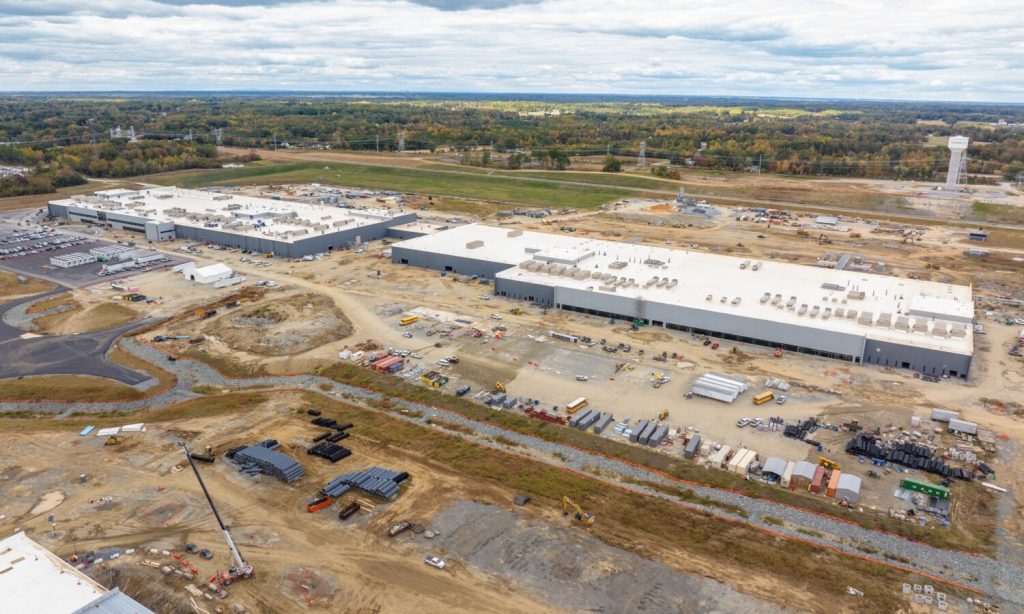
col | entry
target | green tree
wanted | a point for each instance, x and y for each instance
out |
(1013, 170)
(611, 164)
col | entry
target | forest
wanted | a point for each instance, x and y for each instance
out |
(794, 137)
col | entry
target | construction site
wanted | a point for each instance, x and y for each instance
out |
(369, 431)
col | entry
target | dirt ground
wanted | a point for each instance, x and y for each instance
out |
(140, 494)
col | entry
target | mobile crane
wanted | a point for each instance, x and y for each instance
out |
(584, 518)
(241, 570)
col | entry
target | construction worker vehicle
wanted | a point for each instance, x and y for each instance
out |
(584, 518)
(500, 387)
(663, 414)
(113, 440)
(399, 528)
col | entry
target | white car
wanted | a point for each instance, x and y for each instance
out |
(434, 561)
(485, 297)
(581, 378)
(495, 316)
(407, 335)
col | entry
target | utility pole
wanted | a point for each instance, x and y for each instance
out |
(641, 160)
(218, 135)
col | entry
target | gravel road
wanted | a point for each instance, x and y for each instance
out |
(1000, 578)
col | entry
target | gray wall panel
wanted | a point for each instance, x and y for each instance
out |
(922, 360)
(443, 262)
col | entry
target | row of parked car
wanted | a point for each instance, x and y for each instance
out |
(52, 241)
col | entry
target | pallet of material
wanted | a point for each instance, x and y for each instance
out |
(383, 483)
(265, 460)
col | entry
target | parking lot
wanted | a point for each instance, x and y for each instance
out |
(26, 249)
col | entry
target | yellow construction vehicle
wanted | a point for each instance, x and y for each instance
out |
(517, 311)
(828, 463)
(113, 440)
(582, 517)
(500, 387)
(663, 414)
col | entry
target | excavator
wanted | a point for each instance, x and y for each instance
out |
(241, 570)
(828, 463)
(500, 387)
(584, 518)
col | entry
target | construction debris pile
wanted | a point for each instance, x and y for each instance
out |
(262, 458)
(908, 454)
(383, 483)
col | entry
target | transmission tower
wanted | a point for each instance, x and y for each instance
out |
(641, 160)
(188, 137)
(92, 139)
(218, 135)
(132, 138)
(401, 142)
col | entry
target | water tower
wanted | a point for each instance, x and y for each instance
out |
(957, 160)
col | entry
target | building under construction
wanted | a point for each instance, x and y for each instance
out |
(846, 315)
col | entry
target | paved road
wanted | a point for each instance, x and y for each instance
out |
(83, 354)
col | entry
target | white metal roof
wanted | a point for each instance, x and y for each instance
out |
(772, 291)
(848, 482)
(34, 580)
(196, 208)
(774, 465)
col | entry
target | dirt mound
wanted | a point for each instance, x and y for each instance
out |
(292, 324)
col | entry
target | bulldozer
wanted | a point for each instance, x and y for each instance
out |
(113, 440)
(828, 463)
(580, 516)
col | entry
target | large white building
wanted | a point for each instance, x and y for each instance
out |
(848, 315)
(283, 228)
(33, 580)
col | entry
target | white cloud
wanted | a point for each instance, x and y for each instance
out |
(916, 49)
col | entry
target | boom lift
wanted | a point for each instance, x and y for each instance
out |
(241, 570)
(582, 517)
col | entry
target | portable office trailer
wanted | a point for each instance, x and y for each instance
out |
(962, 426)
(833, 482)
(692, 447)
(848, 489)
(787, 475)
(658, 435)
(635, 435)
(818, 481)
(736, 458)
(603, 422)
(717, 458)
(803, 475)
(744, 465)
(944, 415)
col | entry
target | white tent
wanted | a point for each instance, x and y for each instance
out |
(848, 488)
(206, 274)
(775, 466)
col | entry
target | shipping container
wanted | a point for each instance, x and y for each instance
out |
(819, 479)
(736, 458)
(692, 447)
(833, 482)
(744, 465)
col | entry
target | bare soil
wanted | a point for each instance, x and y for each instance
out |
(289, 324)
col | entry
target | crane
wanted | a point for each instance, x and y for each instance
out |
(241, 569)
(582, 517)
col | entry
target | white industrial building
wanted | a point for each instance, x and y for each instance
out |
(283, 228)
(847, 315)
(33, 580)
(206, 274)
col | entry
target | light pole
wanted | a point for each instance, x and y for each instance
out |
(377, 126)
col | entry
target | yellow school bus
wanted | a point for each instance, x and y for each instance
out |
(407, 320)
(764, 397)
(576, 405)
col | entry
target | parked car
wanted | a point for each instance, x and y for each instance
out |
(434, 561)
(495, 316)
(780, 399)
(407, 335)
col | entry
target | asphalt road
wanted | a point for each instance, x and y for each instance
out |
(83, 354)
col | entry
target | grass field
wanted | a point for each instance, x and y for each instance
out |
(994, 212)
(9, 286)
(537, 192)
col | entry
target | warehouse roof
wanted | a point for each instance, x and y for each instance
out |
(863, 304)
(279, 220)
(33, 579)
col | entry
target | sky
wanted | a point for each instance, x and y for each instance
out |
(906, 49)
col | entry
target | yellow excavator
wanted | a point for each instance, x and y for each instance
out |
(500, 387)
(663, 414)
(584, 518)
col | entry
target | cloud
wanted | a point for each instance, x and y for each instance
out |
(922, 49)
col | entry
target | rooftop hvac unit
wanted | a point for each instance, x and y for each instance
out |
(744, 264)
(606, 288)
(851, 314)
(736, 301)
(857, 295)
(709, 297)
(650, 282)
(673, 283)
(827, 313)
(939, 329)
(663, 282)
(866, 318)
(884, 319)
(958, 330)
(515, 233)
(766, 297)
(474, 244)
(802, 310)
(723, 299)
(776, 299)
(920, 325)
(791, 302)
(840, 312)
(903, 323)
(757, 266)
(814, 311)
